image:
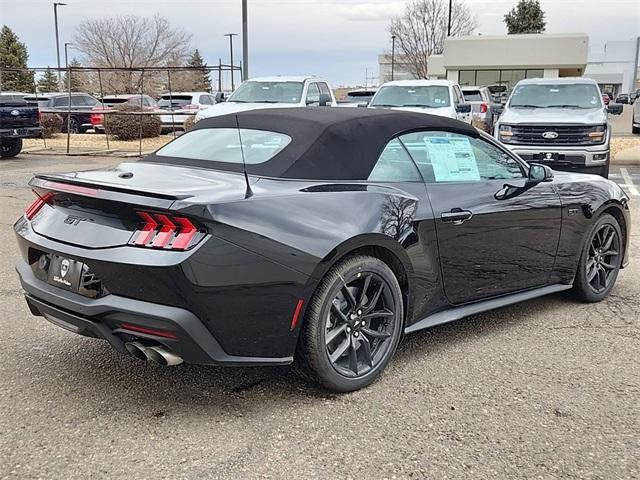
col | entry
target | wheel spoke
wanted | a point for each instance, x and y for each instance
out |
(374, 301)
(363, 290)
(609, 239)
(353, 355)
(591, 274)
(335, 309)
(608, 266)
(366, 349)
(613, 253)
(340, 350)
(348, 296)
(375, 333)
(602, 278)
(378, 314)
(335, 333)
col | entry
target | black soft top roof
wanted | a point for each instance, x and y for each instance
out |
(327, 143)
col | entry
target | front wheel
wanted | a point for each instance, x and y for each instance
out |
(10, 147)
(600, 260)
(352, 326)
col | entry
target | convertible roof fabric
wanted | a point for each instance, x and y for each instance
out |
(327, 143)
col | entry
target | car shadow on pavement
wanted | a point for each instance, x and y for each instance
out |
(91, 365)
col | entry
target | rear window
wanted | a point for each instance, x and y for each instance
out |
(472, 95)
(175, 100)
(223, 145)
(41, 101)
(110, 102)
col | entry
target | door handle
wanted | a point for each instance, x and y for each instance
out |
(457, 216)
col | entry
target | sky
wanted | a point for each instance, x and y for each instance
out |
(335, 39)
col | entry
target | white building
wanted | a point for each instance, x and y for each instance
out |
(614, 67)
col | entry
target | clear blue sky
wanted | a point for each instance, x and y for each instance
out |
(338, 39)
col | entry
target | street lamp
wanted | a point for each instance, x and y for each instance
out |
(66, 55)
(55, 19)
(245, 42)
(231, 35)
(393, 55)
(449, 22)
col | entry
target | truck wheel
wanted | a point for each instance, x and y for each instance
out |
(635, 130)
(72, 124)
(10, 147)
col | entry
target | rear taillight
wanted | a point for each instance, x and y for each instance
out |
(37, 204)
(483, 108)
(191, 106)
(160, 230)
(39, 116)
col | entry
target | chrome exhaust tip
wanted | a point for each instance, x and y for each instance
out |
(137, 350)
(153, 353)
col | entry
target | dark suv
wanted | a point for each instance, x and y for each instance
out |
(81, 105)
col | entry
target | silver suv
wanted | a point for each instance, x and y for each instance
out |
(561, 122)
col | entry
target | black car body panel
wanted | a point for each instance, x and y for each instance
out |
(261, 255)
(18, 119)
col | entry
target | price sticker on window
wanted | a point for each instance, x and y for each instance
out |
(452, 159)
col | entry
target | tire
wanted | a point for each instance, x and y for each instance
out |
(635, 130)
(73, 125)
(339, 309)
(591, 285)
(10, 147)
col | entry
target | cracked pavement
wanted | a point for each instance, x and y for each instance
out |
(544, 389)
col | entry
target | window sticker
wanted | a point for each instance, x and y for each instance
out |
(452, 159)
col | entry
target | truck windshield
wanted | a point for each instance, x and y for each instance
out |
(430, 96)
(268, 92)
(564, 95)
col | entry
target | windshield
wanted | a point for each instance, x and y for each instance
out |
(268, 92)
(577, 95)
(432, 96)
(223, 145)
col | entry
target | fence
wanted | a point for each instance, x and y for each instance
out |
(144, 80)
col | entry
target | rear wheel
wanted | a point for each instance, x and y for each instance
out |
(10, 147)
(72, 125)
(600, 260)
(353, 325)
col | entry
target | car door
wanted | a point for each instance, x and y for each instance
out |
(496, 232)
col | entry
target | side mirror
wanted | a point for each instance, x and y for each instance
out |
(497, 109)
(539, 173)
(325, 100)
(463, 108)
(615, 108)
(220, 97)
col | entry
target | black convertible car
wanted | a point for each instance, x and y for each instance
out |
(314, 236)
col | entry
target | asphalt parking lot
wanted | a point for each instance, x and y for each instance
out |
(545, 389)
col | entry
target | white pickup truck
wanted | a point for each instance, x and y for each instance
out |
(434, 97)
(560, 122)
(274, 92)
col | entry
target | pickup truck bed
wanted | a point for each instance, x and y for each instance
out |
(18, 120)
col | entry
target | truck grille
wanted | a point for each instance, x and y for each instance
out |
(566, 134)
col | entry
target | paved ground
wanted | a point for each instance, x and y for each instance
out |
(544, 389)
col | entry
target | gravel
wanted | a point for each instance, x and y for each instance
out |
(544, 389)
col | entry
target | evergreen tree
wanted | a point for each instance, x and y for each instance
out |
(13, 54)
(200, 78)
(48, 82)
(525, 17)
(79, 80)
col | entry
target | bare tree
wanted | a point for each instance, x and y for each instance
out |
(130, 41)
(420, 31)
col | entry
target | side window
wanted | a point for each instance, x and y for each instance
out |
(89, 100)
(458, 98)
(313, 94)
(324, 89)
(394, 165)
(61, 101)
(78, 101)
(452, 157)
(205, 100)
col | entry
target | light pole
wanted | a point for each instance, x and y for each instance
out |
(231, 35)
(393, 55)
(66, 54)
(245, 42)
(55, 19)
(449, 22)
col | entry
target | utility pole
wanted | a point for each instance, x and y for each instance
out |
(231, 35)
(393, 55)
(55, 19)
(245, 42)
(449, 22)
(66, 55)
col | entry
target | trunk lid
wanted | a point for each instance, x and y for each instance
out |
(17, 114)
(98, 208)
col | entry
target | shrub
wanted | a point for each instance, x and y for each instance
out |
(189, 122)
(51, 124)
(127, 127)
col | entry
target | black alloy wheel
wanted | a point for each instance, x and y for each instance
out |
(600, 261)
(352, 325)
(72, 125)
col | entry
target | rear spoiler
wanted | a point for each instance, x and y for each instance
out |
(103, 191)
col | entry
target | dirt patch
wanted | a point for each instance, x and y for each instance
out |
(622, 143)
(95, 141)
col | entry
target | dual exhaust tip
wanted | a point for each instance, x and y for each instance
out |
(153, 353)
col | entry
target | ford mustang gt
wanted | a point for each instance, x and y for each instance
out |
(317, 237)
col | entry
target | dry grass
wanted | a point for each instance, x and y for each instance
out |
(96, 141)
(622, 143)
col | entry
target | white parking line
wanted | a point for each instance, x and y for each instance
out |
(629, 182)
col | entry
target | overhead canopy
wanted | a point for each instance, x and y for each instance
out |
(326, 143)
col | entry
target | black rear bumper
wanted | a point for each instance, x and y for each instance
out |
(20, 132)
(103, 318)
